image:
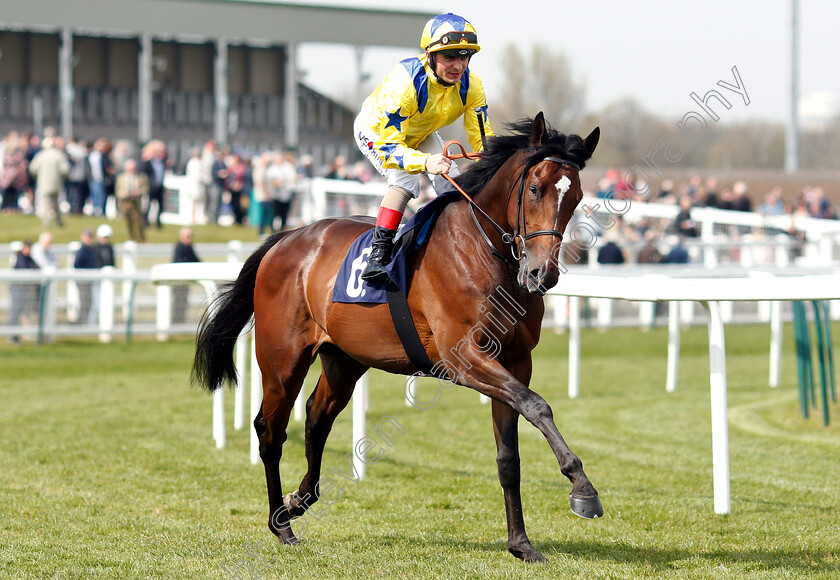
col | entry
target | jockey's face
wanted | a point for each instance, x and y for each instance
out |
(450, 67)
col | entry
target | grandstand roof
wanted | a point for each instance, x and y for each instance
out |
(258, 21)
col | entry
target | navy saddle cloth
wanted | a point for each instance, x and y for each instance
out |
(349, 286)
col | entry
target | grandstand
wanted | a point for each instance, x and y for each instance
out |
(183, 71)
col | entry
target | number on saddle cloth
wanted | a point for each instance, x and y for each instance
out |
(349, 286)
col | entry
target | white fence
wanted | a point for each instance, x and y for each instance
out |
(319, 198)
(316, 198)
(36, 304)
(44, 304)
(710, 290)
(727, 239)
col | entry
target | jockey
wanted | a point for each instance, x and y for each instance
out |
(397, 126)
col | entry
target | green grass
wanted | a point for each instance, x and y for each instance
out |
(18, 227)
(108, 470)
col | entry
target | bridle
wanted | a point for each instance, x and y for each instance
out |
(516, 240)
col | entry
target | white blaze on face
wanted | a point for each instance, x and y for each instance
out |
(562, 187)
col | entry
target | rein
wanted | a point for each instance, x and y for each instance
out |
(516, 240)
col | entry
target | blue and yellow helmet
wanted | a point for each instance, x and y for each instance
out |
(449, 32)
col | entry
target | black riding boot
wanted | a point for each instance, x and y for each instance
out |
(380, 255)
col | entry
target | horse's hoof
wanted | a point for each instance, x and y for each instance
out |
(586, 507)
(288, 539)
(527, 554)
(534, 557)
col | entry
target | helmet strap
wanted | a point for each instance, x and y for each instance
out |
(433, 65)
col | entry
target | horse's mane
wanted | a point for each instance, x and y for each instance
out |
(501, 147)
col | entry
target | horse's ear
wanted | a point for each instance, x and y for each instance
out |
(538, 130)
(591, 141)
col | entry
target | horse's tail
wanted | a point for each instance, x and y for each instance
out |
(224, 319)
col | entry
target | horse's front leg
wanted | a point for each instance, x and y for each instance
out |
(583, 498)
(505, 430)
(492, 379)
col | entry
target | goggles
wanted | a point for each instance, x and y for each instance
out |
(456, 52)
(455, 38)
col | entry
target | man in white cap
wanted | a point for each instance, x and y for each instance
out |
(103, 249)
(103, 253)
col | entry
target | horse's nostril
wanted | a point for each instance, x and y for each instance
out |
(534, 274)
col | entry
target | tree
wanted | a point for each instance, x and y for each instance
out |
(750, 144)
(628, 132)
(821, 146)
(542, 82)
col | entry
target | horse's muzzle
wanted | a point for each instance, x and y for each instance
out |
(538, 280)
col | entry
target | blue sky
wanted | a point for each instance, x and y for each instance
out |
(657, 51)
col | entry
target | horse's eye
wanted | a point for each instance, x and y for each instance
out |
(534, 191)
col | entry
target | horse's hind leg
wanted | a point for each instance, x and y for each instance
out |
(280, 389)
(335, 387)
(505, 430)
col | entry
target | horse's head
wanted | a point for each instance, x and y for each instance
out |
(543, 201)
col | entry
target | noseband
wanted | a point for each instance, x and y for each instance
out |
(515, 240)
(520, 211)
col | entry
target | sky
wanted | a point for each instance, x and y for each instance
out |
(656, 51)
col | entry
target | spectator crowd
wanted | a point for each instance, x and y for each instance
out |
(695, 193)
(50, 175)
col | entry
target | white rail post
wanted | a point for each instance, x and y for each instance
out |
(318, 196)
(574, 347)
(765, 309)
(219, 417)
(647, 315)
(256, 399)
(560, 305)
(727, 310)
(164, 311)
(300, 405)
(747, 257)
(720, 425)
(811, 253)
(410, 390)
(73, 298)
(710, 257)
(707, 231)
(359, 423)
(826, 250)
(106, 305)
(129, 266)
(605, 308)
(783, 245)
(687, 313)
(775, 342)
(242, 359)
(234, 251)
(673, 372)
(50, 308)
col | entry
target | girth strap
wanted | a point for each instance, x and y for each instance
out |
(404, 324)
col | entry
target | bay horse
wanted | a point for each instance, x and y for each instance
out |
(525, 186)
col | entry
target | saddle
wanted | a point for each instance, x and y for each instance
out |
(350, 288)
